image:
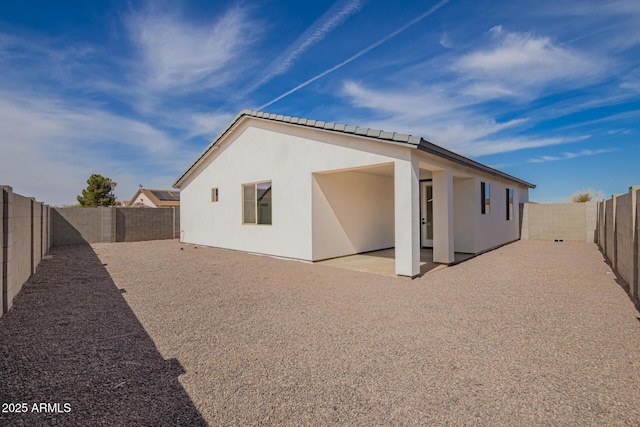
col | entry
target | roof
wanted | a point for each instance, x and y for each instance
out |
(389, 137)
(160, 198)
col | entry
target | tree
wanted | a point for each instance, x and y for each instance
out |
(586, 195)
(99, 192)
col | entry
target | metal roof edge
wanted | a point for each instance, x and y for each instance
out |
(374, 134)
(431, 148)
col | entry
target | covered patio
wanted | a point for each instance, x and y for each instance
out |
(383, 262)
(409, 204)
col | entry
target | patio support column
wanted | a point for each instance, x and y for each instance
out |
(407, 217)
(443, 216)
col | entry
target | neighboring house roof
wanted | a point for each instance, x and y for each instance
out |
(160, 198)
(389, 137)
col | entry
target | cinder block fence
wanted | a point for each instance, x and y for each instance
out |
(612, 223)
(617, 235)
(30, 228)
(558, 221)
(25, 238)
(74, 226)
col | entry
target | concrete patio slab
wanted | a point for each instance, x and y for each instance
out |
(383, 262)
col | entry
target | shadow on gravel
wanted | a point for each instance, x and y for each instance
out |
(623, 284)
(71, 338)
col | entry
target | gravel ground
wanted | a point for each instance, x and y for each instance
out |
(159, 333)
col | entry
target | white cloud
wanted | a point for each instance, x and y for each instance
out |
(449, 120)
(185, 56)
(496, 31)
(459, 110)
(445, 41)
(521, 64)
(50, 147)
(634, 85)
(571, 155)
(209, 124)
(509, 144)
(422, 102)
(607, 25)
(619, 132)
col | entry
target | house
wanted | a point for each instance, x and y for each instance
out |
(314, 190)
(146, 198)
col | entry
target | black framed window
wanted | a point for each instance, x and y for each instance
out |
(485, 196)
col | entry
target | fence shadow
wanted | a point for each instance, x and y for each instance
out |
(622, 283)
(71, 338)
(63, 232)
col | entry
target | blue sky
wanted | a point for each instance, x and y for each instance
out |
(548, 91)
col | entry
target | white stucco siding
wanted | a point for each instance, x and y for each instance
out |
(287, 156)
(523, 195)
(494, 229)
(142, 198)
(464, 214)
(352, 213)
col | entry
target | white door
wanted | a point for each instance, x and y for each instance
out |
(426, 214)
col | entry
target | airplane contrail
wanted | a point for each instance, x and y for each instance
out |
(333, 18)
(359, 54)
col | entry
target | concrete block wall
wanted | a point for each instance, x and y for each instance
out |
(22, 241)
(591, 221)
(624, 236)
(618, 235)
(4, 223)
(20, 245)
(609, 229)
(524, 221)
(636, 266)
(600, 226)
(559, 221)
(107, 224)
(74, 226)
(138, 224)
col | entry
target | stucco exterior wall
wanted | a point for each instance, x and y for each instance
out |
(285, 155)
(142, 198)
(464, 218)
(299, 161)
(494, 229)
(353, 212)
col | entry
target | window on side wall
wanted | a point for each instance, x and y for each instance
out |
(509, 204)
(485, 196)
(256, 203)
(214, 195)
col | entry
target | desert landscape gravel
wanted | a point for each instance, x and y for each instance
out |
(164, 333)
